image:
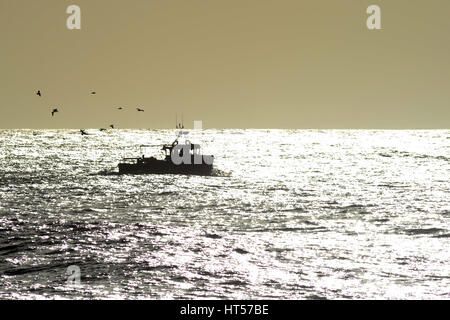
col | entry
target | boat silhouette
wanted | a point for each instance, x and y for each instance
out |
(179, 159)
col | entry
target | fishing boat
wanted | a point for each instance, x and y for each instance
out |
(178, 159)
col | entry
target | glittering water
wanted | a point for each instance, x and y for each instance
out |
(290, 214)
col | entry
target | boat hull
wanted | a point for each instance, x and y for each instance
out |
(165, 167)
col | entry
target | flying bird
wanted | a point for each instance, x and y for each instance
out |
(83, 132)
(120, 108)
(39, 93)
(54, 111)
(111, 126)
(102, 129)
(140, 110)
(93, 92)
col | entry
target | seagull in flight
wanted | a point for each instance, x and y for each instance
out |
(120, 108)
(111, 126)
(140, 110)
(83, 132)
(38, 93)
(54, 111)
(93, 92)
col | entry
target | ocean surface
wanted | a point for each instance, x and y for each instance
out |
(288, 214)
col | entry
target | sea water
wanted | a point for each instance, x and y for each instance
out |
(287, 214)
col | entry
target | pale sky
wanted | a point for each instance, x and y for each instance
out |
(229, 63)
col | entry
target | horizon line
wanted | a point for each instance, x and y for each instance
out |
(228, 128)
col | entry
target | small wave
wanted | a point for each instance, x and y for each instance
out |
(445, 235)
(76, 227)
(278, 189)
(166, 193)
(316, 297)
(355, 208)
(53, 252)
(235, 283)
(424, 231)
(15, 248)
(385, 155)
(299, 209)
(212, 236)
(180, 278)
(159, 268)
(34, 269)
(106, 172)
(85, 210)
(380, 220)
(291, 229)
(421, 156)
(392, 185)
(305, 194)
(220, 173)
(241, 251)
(279, 250)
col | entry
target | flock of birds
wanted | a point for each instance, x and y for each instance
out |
(82, 131)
